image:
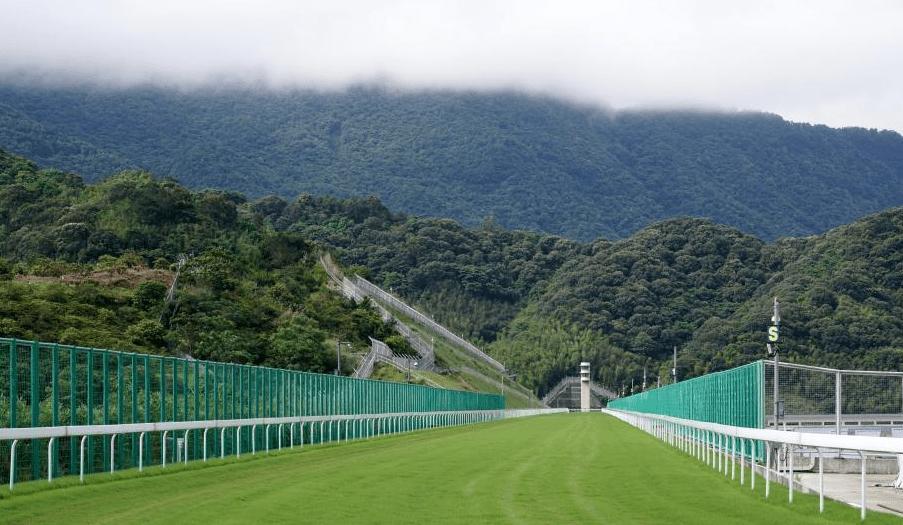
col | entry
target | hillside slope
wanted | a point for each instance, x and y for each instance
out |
(707, 289)
(89, 264)
(532, 163)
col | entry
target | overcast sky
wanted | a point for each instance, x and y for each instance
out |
(834, 62)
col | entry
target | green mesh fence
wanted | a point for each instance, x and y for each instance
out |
(732, 397)
(44, 384)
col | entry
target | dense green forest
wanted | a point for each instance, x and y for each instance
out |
(707, 289)
(526, 162)
(90, 264)
(473, 280)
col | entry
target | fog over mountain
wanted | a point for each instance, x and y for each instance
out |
(832, 62)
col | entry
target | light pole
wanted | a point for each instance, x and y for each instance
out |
(774, 332)
(338, 355)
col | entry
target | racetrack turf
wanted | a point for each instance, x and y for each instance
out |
(568, 468)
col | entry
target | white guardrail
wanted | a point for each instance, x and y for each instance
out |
(718, 446)
(363, 426)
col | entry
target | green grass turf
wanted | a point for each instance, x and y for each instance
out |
(571, 468)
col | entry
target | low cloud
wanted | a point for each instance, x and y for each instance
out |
(833, 62)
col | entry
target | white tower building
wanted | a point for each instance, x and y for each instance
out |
(584, 386)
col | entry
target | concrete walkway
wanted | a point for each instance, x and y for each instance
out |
(879, 494)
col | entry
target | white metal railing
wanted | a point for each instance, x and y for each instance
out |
(525, 412)
(361, 426)
(724, 447)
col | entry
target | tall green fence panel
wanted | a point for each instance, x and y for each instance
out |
(732, 397)
(45, 384)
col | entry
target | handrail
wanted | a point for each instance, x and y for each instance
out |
(382, 423)
(870, 444)
(717, 445)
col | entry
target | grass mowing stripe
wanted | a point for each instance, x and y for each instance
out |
(551, 469)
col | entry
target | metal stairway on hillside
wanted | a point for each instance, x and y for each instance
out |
(426, 356)
(567, 393)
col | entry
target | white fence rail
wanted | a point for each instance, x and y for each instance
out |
(726, 448)
(360, 426)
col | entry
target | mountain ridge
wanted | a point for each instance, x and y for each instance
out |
(528, 162)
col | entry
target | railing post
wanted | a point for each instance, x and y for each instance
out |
(752, 464)
(141, 452)
(12, 463)
(112, 453)
(821, 482)
(164, 448)
(862, 488)
(81, 460)
(790, 475)
(733, 456)
(50, 460)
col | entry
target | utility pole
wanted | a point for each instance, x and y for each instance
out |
(644, 378)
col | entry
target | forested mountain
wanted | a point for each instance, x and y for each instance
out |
(89, 264)
(707, 289)
(527, 162)
(473, 280)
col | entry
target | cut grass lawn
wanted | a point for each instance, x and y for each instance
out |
(565, 468)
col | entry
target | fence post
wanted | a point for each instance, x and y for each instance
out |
(52, 452)
(90, 407)
(134, 415)
(35, 409)
(105, 362)
(73, 378)
(838, 404)
(13, 383)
